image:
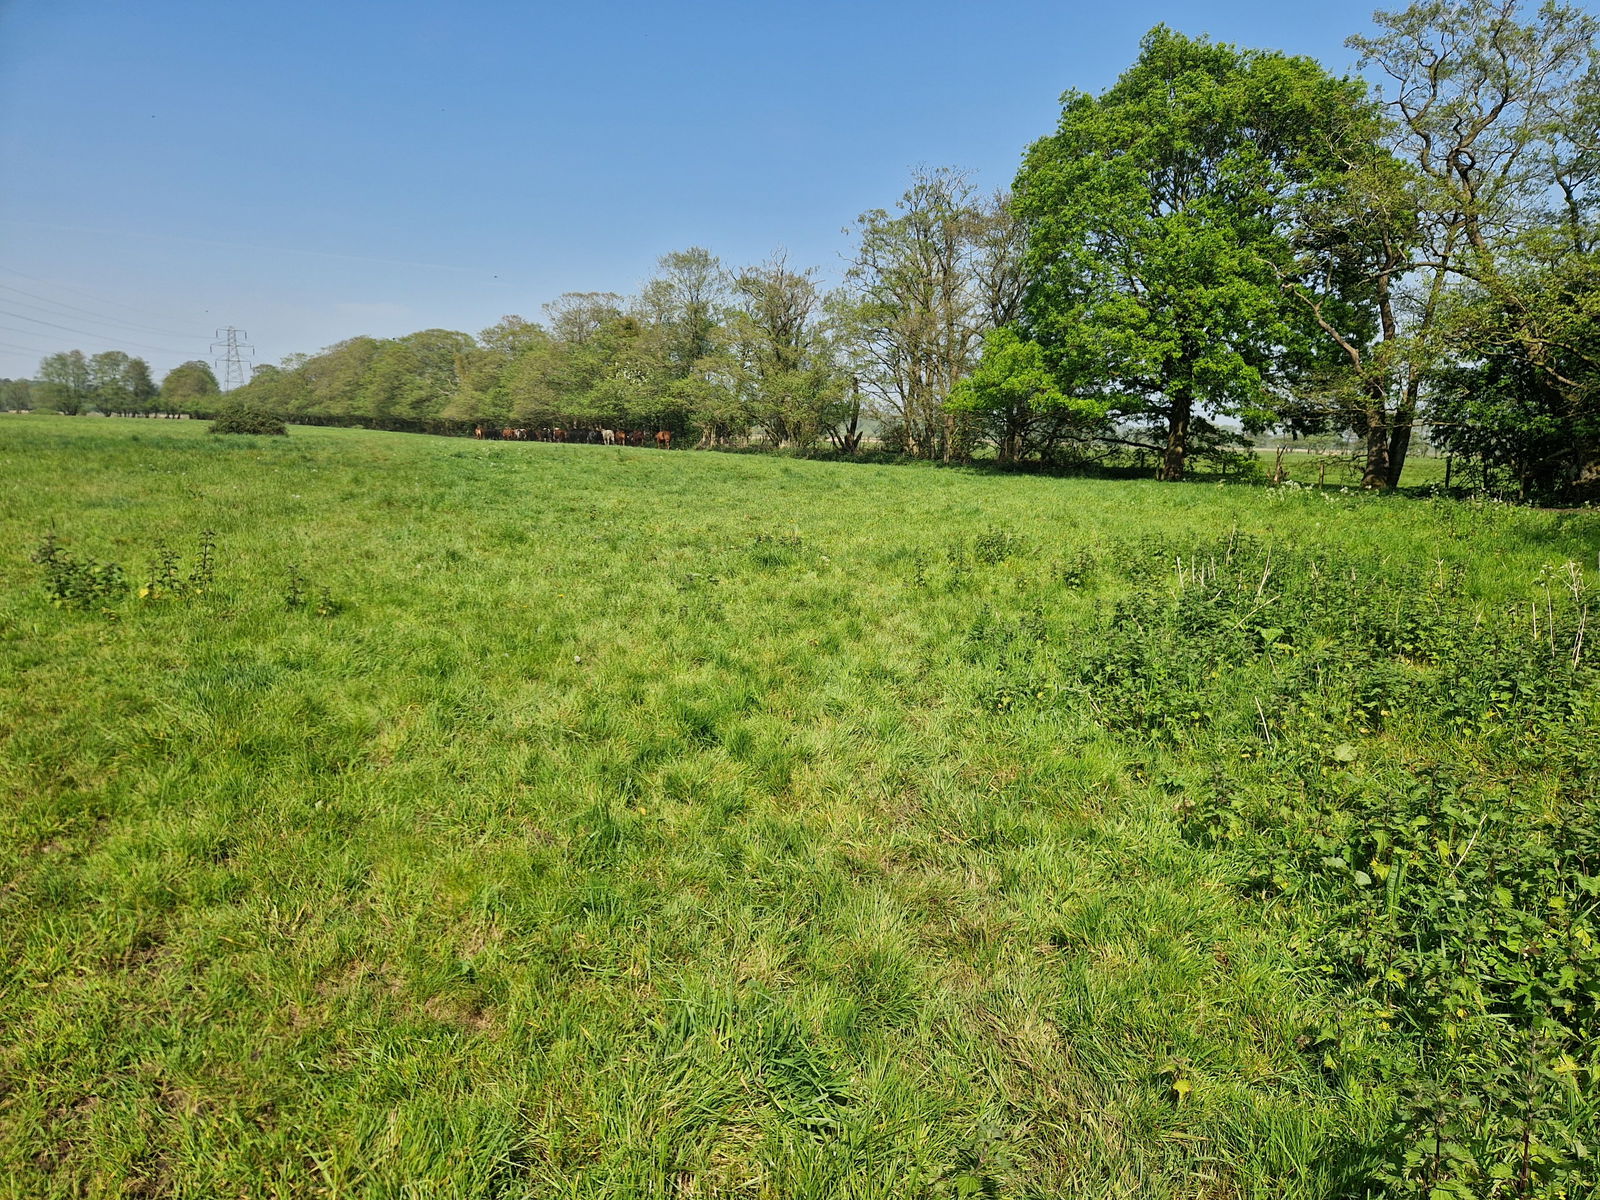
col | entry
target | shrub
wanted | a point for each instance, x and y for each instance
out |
(247, 418)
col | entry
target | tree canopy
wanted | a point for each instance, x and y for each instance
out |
(1158, 234)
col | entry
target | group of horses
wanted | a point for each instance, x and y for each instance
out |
(595, 437)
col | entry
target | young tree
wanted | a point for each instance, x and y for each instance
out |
(16, 395)
(1018, 402)
(331, 382)
(1531, 423)
(782, 367)
(576, 317)
(590, 372)
(923, 288)
(190, 387)
(1355, 229)
(482, 394)
(678, 313)
(410, 379)
(1157, 236)
(682, 304)
(64, 382)
(107, 386)
(139, 386)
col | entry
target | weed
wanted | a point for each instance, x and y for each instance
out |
(1078, 570)
(296, 587)
(776, 549)
(164, 579)
(960, 565)
(201, 575)
(994, 546)
(71, 582)
(302, 593)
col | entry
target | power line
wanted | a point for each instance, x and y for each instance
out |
(16, 329)
(23, 349)
(67, 287)
(85, 333)
(232, 363)
(97, 316)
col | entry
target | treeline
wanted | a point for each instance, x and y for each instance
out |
(114, 383)
(1226, 239)
(717, 355)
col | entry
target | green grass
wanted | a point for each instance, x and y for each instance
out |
(1335, 471)
(634, 824)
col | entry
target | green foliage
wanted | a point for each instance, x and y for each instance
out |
(16, 395)
(925, 284)
(120, 384)
(71, 582)
(1157, 216)
(1019, 401)
(994, 546)
(1413, 780)
(190, 387)
(250, 419)
(1523, 408)
(1492, 116)
(64, 383)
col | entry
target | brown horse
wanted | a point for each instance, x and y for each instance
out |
(664, 440)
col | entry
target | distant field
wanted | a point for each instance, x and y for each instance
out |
(1343, 469)
(522, 820)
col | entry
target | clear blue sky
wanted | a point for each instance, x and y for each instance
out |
(313, 171)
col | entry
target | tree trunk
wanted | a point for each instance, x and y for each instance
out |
(1008, 443)
(1177, 451)
(850, 440)
(1587, 484)
(1400, 435)
(1376, 474)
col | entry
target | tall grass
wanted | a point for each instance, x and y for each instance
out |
(524, 820)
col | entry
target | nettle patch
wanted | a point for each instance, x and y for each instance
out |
(1415, 779)
(86, 584)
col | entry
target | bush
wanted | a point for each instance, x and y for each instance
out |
(246, 418)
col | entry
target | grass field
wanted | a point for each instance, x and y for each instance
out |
(520, 820)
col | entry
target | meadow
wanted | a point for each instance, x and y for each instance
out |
(417, 817)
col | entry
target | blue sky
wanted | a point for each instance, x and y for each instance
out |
(310, 172)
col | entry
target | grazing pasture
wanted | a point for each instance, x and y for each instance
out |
(440, 817)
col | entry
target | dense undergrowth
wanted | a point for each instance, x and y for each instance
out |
(401, 817)
(1413, 781)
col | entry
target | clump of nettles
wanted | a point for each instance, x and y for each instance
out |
(71, 582)
(301, 593)
(168, 581)
(248, 418)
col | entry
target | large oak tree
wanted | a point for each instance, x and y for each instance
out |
(1158, 215)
